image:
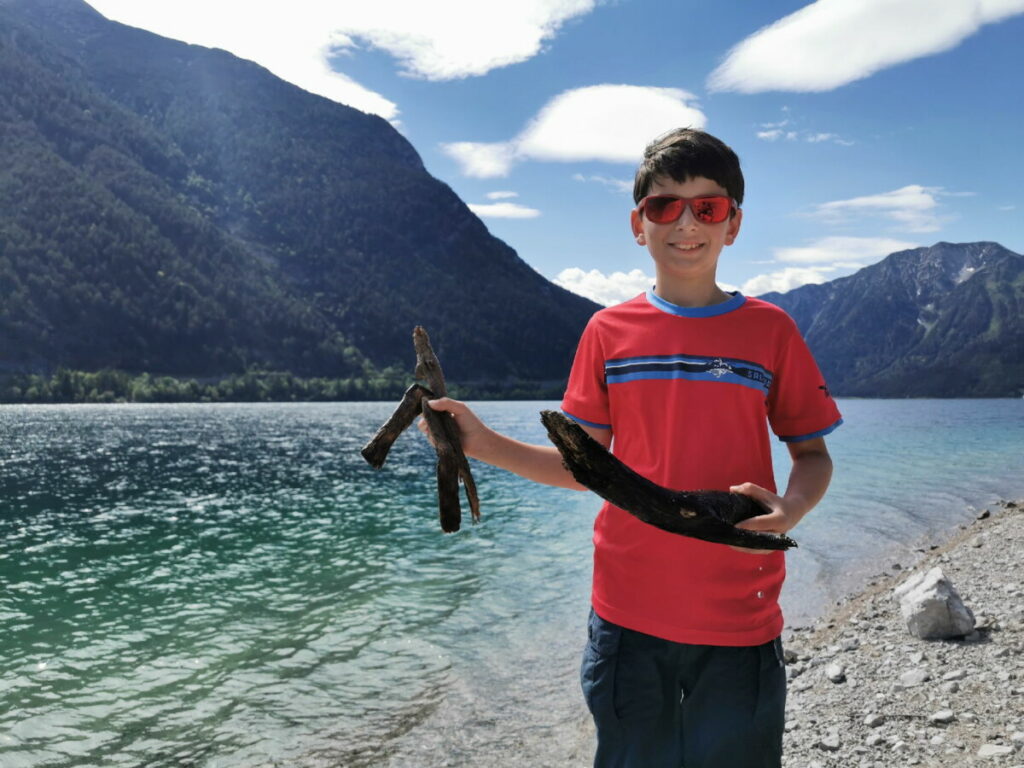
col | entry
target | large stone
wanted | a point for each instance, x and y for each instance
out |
(994, 750)
(932, 608)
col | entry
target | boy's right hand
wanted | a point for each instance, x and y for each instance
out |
(472, 431)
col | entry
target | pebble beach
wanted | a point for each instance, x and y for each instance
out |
(864, 692)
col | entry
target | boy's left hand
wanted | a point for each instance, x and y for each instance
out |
(779, 519)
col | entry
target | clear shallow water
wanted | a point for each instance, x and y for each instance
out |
(231, 585)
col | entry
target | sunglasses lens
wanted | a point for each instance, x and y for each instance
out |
(662, 210)
(711, 210)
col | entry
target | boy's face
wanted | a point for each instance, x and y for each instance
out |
(686, 249)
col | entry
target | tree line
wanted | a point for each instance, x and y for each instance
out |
(114, 386)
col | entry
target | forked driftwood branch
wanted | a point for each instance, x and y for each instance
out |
(451, 461)
(707, 515)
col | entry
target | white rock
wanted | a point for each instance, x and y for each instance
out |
(874, 720)
(835, 672)
(914, 677)
(942, 716)
(932, 608)
(994, 750)
(830, 742)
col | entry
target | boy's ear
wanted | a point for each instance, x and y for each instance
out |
(637, 226)
(734, 227)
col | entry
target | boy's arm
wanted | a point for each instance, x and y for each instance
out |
(808, 481)
(540, 463)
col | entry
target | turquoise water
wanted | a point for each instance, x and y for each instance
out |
(231, 585)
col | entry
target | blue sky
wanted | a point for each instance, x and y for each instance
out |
(863, 126)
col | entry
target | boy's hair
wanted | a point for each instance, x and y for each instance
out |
(684, 154)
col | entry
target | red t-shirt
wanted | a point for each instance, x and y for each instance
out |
(689, 395)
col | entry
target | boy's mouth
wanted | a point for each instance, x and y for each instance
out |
(686, 246)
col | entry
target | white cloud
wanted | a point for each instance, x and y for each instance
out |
(480, 160)
(843, 251)
(292, 40)
(610, 289)
(821, 260)
(619, 185)
(504, 211)
(604, 289)
(830, 43)
(610, 123)
(785, 280)
(912, 208)
(437, 40)
(774, 132)
(501, 195)
(450, 39)
(1007, 207)
(812, 138)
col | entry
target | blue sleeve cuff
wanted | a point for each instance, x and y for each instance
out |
(812, 435)
(586, 423)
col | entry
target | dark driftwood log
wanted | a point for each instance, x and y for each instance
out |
(707, 515)
(451, 459)
(428, 368)
(447, 470)
(376, 451)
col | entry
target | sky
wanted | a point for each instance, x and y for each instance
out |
(863, 127)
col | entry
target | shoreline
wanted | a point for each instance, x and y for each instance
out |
(872, 719)
(904, 701)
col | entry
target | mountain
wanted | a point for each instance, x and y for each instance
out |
(944, 321)
(173, 209)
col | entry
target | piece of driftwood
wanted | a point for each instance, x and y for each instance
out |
(376, 451)
(707, 515)
(452, 464)
(447, 470)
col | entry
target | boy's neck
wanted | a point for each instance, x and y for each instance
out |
(690, 295)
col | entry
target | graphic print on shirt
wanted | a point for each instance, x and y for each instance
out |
(691, 367)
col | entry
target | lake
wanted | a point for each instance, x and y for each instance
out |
(231, 585)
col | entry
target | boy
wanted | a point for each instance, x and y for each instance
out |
(683, 666)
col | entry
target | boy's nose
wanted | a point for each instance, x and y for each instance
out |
(687, 219)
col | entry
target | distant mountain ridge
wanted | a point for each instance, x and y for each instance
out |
(943, 321)
(174, 209)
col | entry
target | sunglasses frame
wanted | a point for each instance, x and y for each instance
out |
(688, 202)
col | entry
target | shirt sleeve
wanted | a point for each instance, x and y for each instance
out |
(586, 396)
(800, 406)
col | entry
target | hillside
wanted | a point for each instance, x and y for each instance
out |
(173, 209)
(943, 321)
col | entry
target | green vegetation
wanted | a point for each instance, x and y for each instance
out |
(173, 209)
(111, 386)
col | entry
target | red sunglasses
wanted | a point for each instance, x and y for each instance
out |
(665, 209)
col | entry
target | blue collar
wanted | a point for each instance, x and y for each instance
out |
(713, 310)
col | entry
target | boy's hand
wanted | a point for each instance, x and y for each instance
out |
(778, 520)
(472, 431)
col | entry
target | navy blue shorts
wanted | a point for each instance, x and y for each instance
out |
(659, 704)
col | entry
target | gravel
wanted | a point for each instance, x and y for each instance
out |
(888, 699)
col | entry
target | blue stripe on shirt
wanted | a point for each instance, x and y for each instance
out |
(812, 435)
(586, 423)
